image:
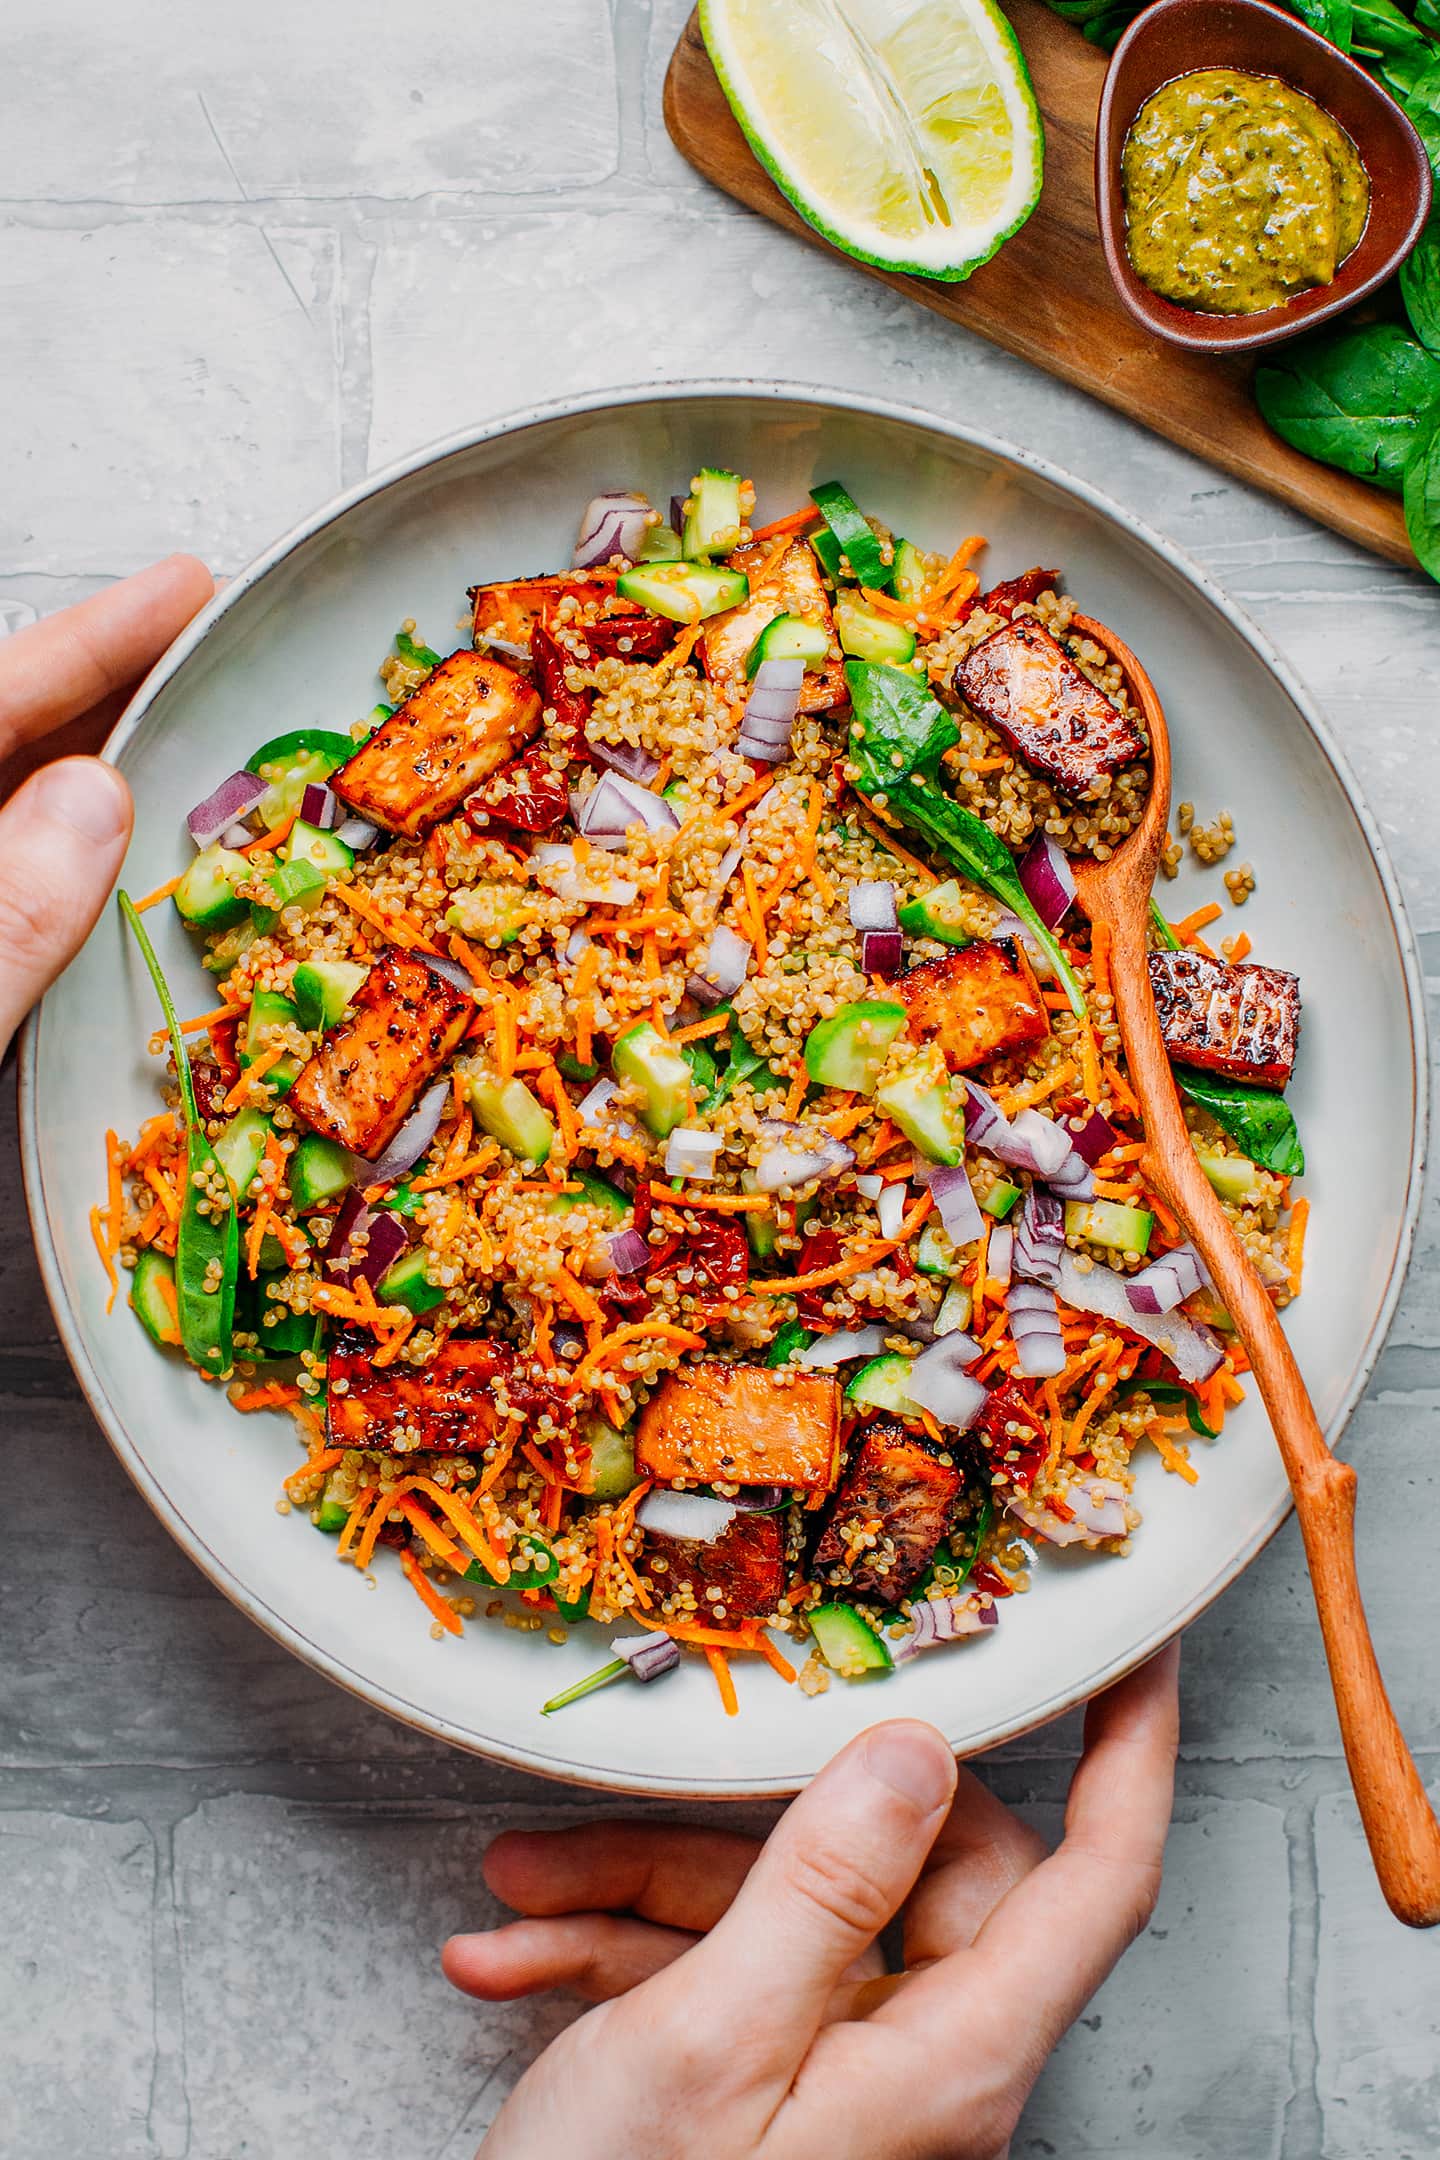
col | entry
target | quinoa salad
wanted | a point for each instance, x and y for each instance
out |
(661, 1132)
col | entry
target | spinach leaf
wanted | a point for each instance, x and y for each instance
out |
(1332, 19)
(1422, 494)
(1427, 16)
(1380, 26)
(1420, 285)
(899, 734)
(744, 1064)
(1259, 1119)
(1352, 398)
(1164, 1391)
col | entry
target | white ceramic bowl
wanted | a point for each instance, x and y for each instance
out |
(296, 639)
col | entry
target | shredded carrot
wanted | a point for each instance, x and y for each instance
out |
(328, 1459)
(954, 569)
(1090, 1065)
(1188, 925)
(427, 1593)
(209, 1019)
(717, 1203)
(698, 1029)
(757, 919)
(1240, 948)
(863, 1257)
(469, 959)
(1100, 957)
(1230, 1387)
(252, 1074)
(719, 1665)
(1121, 1089)
(577, 1297)
(680, 651)
(1084, 1414)
(273, 1395)
(390, 1349)
(582, 989)
(344, 1304)
(881, 831)
(506, 1043)
(605, 1350)
(269, 841)
(750, 793)
(161, 892)
(552, 1087)
(794, 1101)
(1164, 1217)
(107, 1259)
(1295, 1244)
(772, 1656)
(1174, 1458)
(353, 1520)
(443, 1547)
(796, 522)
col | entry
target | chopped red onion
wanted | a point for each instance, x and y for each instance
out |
(648, 1656)
(770, 710)
(787, 1161)
(441, 964)
(870, 1186)
(236, 836)
(983, 1115)
(593, 885)
(1039, 1238)
(691, 1153)
(728, 864)
(1035, 1326)
(890, 1207)
(954, 1197)
(999, 1254)
(761, 1499)
(939, 1382)
(1096, 1509)
(677, 513)
(319, 806)
(944, 1619)
(837, 1349)
(614, 523)
(628, 759)
(1048, 879)
(414, 1136)
(577, 943)
(722, 969)
(1036, 1143)
(1074, 1180)
(504, 645)
(615, 804)
(882, 952)
(358, 833)
(628, 1252)
(1091, 1136)
(872, 905)
(382, 1234)
(235, 798)
(1160, 1287)
(1195, 1351)
(696, 1516)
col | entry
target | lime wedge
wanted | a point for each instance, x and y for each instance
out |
(906, 131)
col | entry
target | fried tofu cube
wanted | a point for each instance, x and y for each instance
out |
(455, 1405)
(793, 587)
(471, 715)
(363, 1081)
(742, 1425)
(976, 1002)
(745, 1565)
(901, 1490)
(1048, 710)
(511, 608)
(1241, 1021)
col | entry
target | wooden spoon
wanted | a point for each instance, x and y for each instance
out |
(1399, 1822)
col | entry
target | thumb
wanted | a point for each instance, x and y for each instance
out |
(63, 837)
(835, 1871)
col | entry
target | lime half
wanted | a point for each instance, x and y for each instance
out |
(906, 131)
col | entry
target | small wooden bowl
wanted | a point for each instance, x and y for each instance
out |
(1175, 37)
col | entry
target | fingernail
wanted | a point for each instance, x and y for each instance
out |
(913, 1761)
(86, 795)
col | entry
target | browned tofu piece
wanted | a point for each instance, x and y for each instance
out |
(899, 1488)
(363, 1081)
(1049, 712)
(745, 1564)
(455, 1404)
(467, 717)
(793, 587)
(978, 1001)
(742, 1425)
(1242, 1021)
(512, 608)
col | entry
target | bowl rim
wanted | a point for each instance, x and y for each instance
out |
(1224, 334)
(435, 453)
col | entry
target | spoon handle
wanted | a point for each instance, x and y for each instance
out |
(1399, 1822)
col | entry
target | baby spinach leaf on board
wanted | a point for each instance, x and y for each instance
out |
(1422, 494)
(1420, 285)
(1352, 398)
(1260, 1120)
(1163, 1391)
(1332, 19)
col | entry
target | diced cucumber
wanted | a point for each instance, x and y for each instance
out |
(572, 1068)
(333, 1513)
(489, 913)
(268, 1010)
(1232, 1176)
(532, 1565)
(322, 989)
(857, 542)
(403, 1199)
(240, 1148)
(612, 1459)
(955, 1309)
(789, 637)
(324, 851)
(712, 514)
(206, 895)
(848, 1049)
(405, 1283)
(281, 1332)
(684, 592)
(918, 1100)
(1109, 1223)
(226, 950)
(660, 544)
(827, 553)
(848, 1643)
(935, 1251)
(508, 1111)
(594, 1192)
(153, 1296)
(643, 1058)
(866, 634)
(1000, 1199)
(910, 579)
(319, 1172)
(881, 1385)
(937, 915)
(290, 763)
(289, 884)
(410, 649)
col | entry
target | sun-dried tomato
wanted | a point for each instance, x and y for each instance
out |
(1018, 1458)
(722, 1251)
(821, 1249)
(985, 1577)
(627, 637)
(1003, 599)
(529, 793)
(570, 707)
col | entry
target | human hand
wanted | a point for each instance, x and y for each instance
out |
(66, 819)
(743, 2010)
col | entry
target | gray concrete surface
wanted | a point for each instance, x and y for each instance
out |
(242, 259)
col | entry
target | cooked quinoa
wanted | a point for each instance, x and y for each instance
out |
(539, 1226)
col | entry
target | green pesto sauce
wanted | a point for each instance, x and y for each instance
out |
(1239, 192)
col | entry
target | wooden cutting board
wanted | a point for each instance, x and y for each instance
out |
(1047, 295)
